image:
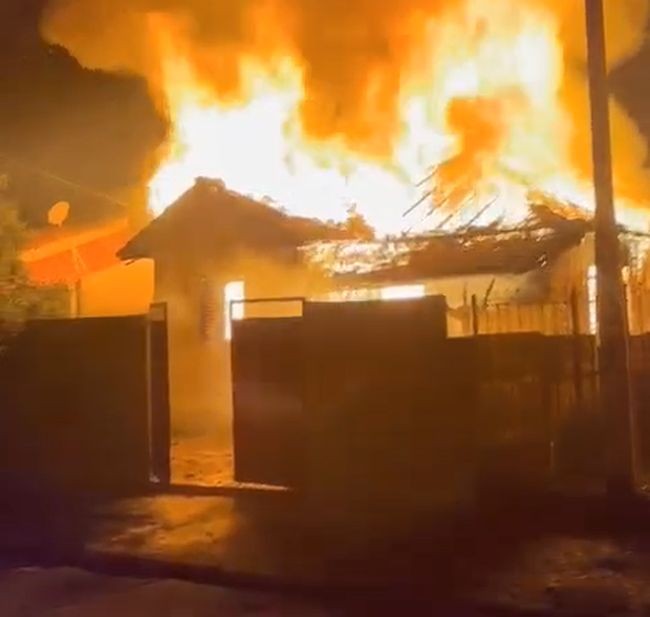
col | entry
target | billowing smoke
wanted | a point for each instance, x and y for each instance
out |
(354, 55)
(345, 48)
(626, 22)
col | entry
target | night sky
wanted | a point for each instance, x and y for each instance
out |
(99, 130)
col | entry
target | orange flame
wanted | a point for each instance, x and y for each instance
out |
(480, 117)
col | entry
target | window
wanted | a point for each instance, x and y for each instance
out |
(402, 292)
(592, 298)
(367, 294)
(232, 292)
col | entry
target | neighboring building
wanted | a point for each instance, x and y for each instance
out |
(85, 261)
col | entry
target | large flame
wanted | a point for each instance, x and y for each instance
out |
(370, 104)
(480, 118)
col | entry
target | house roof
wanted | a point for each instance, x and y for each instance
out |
(209, 218)
(63, 256)
(535, 243)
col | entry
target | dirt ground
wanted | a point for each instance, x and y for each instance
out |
(201, 461)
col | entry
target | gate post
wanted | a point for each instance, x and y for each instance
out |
(158, 393)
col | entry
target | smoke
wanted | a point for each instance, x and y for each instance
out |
(345, 48)
(354, 55)
(626, 22)
(626, 27)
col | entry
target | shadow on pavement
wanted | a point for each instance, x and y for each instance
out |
(271, 542)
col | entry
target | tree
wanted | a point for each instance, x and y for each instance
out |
(14, 287)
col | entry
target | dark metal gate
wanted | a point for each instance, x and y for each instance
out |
(267, 363)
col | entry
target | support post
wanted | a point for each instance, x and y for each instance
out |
(578, 371)
(615, 396)
(475, 324)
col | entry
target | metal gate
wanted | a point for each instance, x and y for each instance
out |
(268, 420)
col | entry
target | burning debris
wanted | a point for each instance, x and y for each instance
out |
(360, 257)
(550, 229)
(324, 105)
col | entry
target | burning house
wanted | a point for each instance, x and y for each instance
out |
(435, 121)
(215, 249)
(457, 129)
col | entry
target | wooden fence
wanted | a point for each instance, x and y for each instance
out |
(575, 315)
(638, 301)
(550, 318)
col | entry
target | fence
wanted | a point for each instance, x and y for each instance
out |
(638, 301)
(85, 403)
(640, 374)
(575, 315)
(353, 398)
(550, 318)
(531, 388)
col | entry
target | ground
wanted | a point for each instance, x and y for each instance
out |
(201, 460)
(580, 563)
(71, 592)
(210, 541)
(550, 555)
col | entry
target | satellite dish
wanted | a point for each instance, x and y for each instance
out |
(58, 213)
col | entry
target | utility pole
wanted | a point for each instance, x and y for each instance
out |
(613, 356)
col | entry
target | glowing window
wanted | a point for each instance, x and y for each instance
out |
(232, 292)
(402, 292)
(592, 298)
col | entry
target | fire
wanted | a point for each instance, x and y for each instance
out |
(257, 148)
(481, 120)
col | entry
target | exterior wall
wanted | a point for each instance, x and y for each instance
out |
(458, 290)
(201, 396)
(86, 262)
(571, 273)
(565, 289)
(123, 289)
